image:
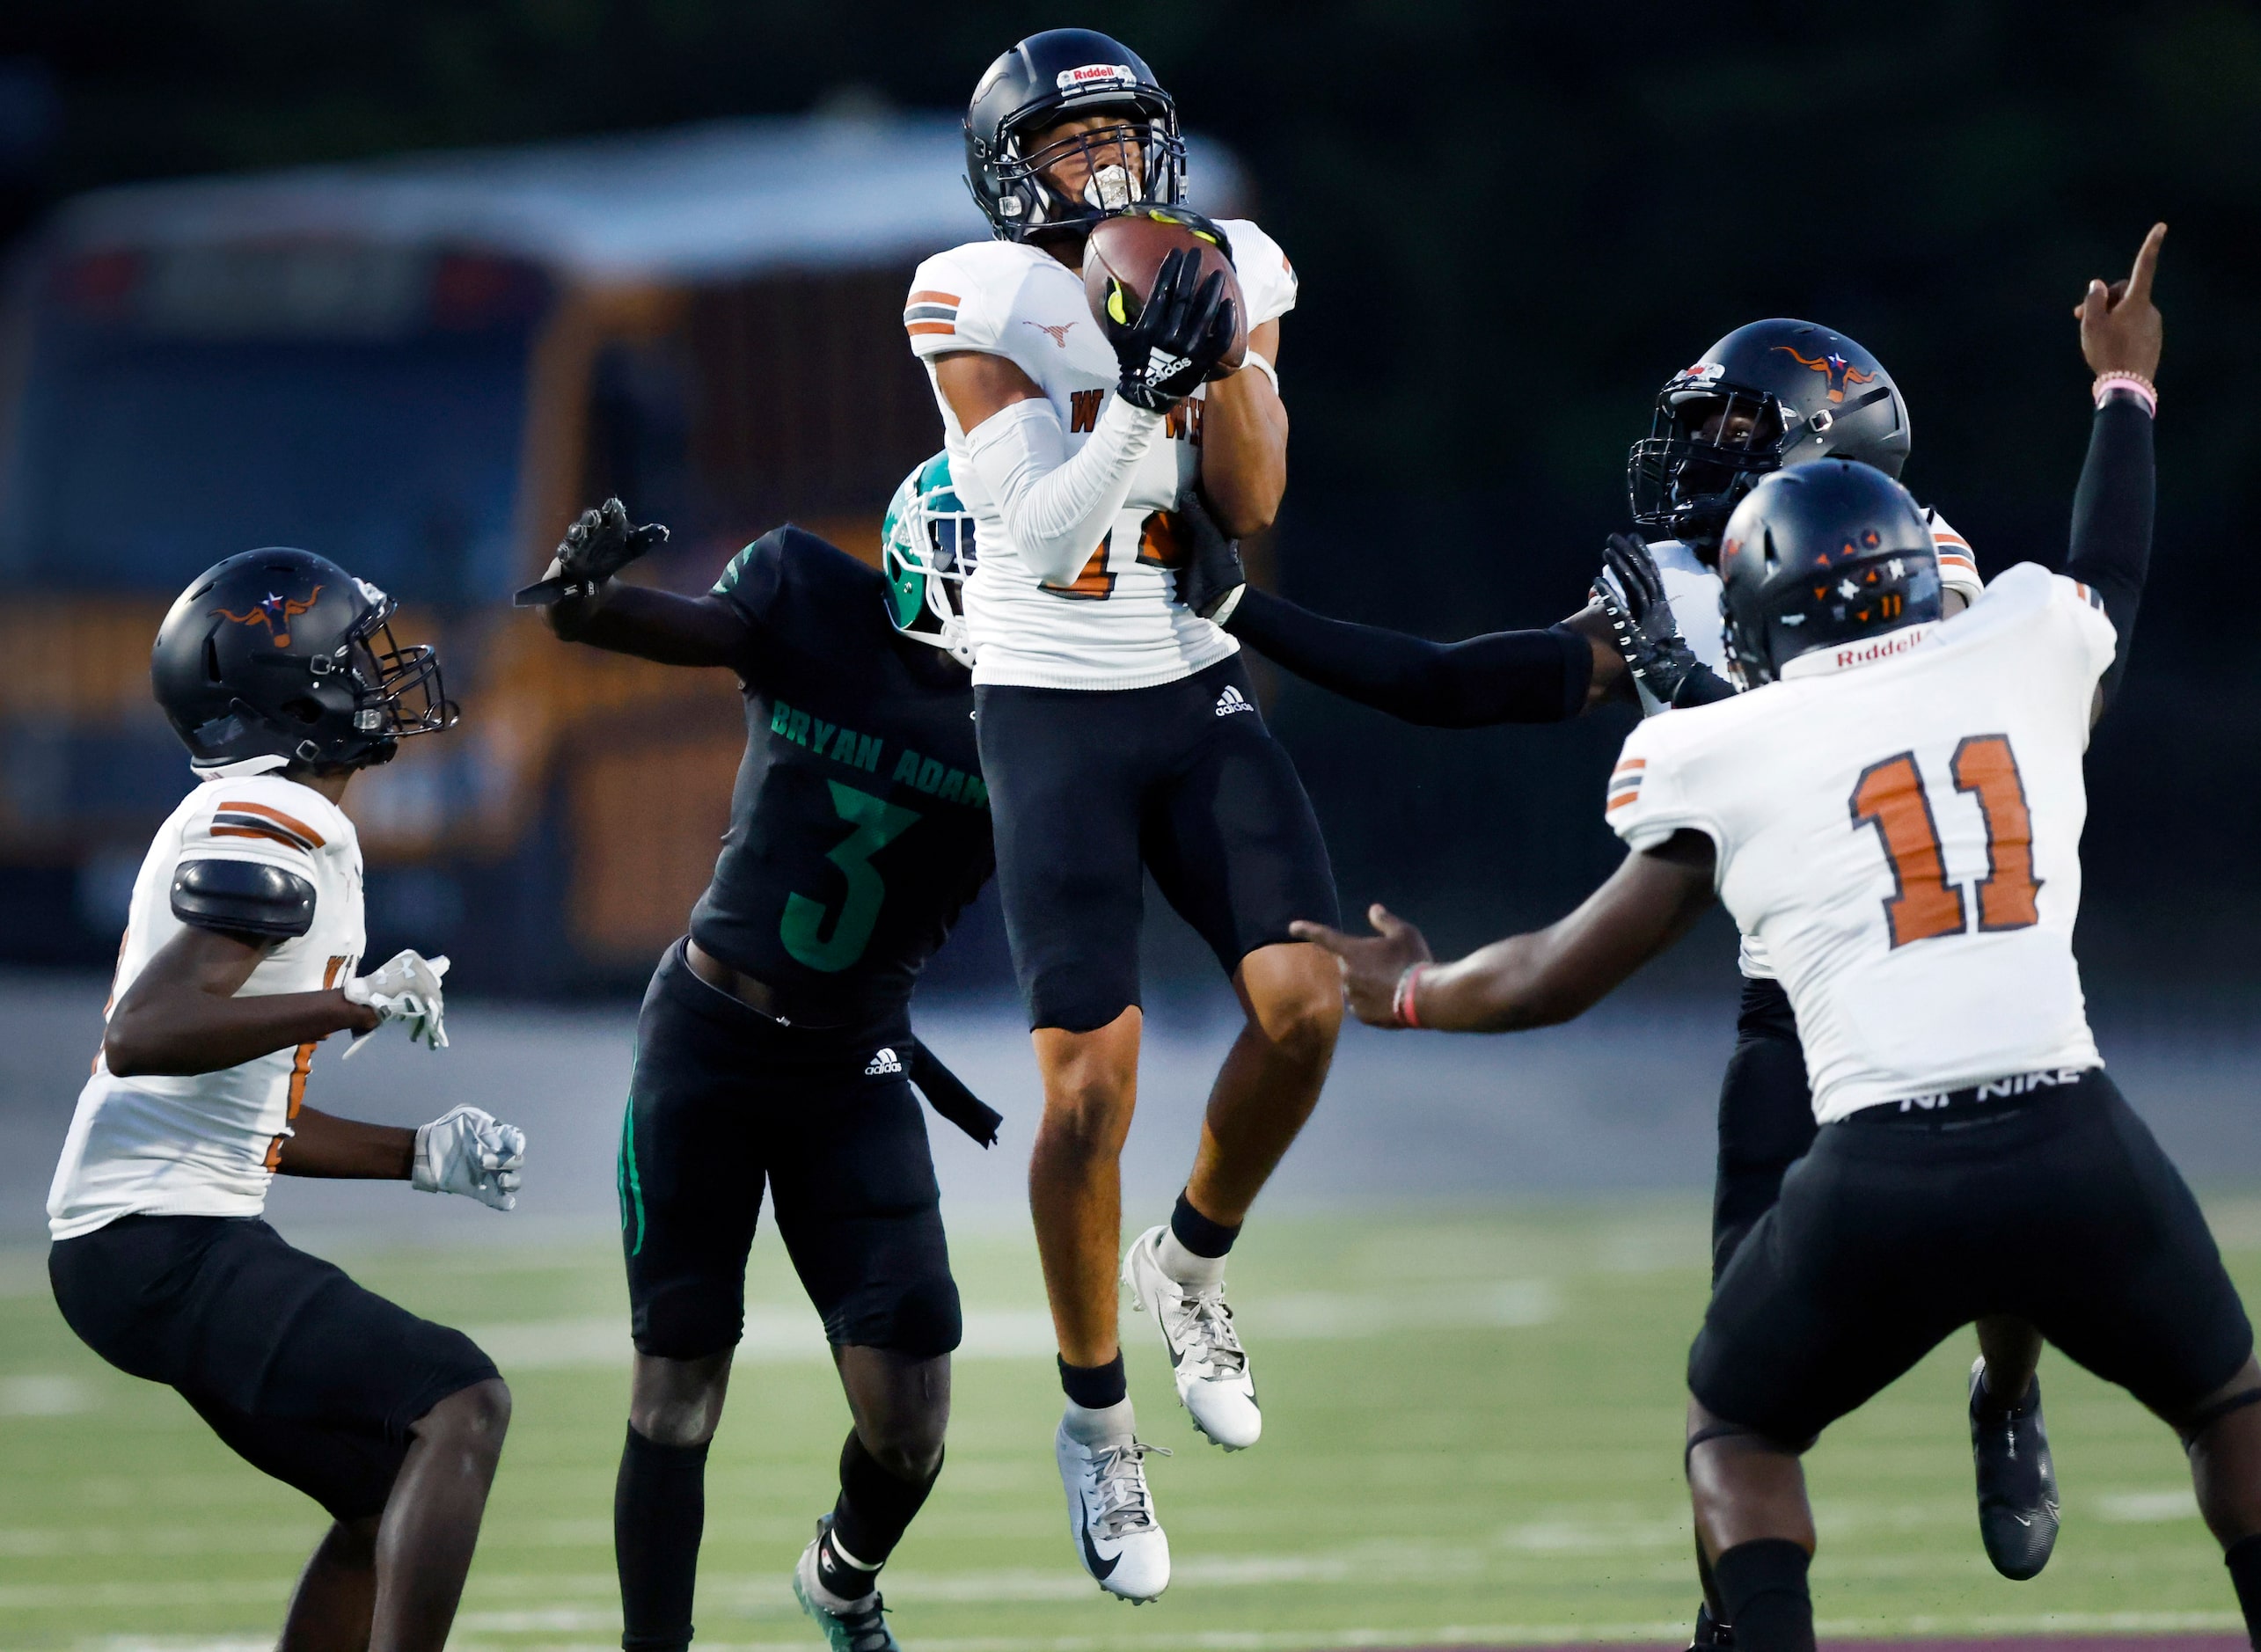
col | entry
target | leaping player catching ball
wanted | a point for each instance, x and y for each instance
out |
(1118, 732)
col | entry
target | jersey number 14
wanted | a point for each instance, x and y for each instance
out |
(1924, 904)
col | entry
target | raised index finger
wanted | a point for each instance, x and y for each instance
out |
(1333, 940)
(2147, 259)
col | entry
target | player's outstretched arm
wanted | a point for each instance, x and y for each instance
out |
(1503, 676)
(2112, 508)
(181, 1015)
(1508, 677)
(584, 600)
(1554, 975)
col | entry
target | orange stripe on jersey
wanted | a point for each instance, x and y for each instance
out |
(299, 1063)
(1626, 766)
(915, 328)
(280, 819)
(932, 298)
(1940, 536)
(1620, 800)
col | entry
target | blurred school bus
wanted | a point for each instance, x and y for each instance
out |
(422, 368)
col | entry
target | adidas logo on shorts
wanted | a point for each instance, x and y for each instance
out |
(1232, 701)
(884, 1063)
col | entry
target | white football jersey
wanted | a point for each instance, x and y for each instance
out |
(1118, 624)
(1898, 824)
(1693, 591)
(207, 1144)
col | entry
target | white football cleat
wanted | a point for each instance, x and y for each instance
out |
(1206, 1358)
(1110, 1512)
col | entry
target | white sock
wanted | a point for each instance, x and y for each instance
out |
(1088, 1427)
(1183, 1266)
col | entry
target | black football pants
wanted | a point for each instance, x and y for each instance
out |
(1765, 1117)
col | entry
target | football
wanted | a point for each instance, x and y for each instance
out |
(1125, 253)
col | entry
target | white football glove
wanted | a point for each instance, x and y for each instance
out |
(469, 1151)
(405, 989)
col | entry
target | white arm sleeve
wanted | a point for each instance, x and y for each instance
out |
(1058, 509)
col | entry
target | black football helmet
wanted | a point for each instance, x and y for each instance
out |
(1057, 76)
(280, 653)
(1822, 556)
(1783, 393)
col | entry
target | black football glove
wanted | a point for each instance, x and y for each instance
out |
(600, 542)
(1631, 592)
(1212, 579)
(1181, 333)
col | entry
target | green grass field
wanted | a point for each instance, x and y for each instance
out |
(1473, 1434)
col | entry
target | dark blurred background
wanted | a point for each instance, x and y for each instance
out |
(1512, 222)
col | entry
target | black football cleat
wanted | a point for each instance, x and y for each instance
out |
(1710, 1636)
(2018, 1482)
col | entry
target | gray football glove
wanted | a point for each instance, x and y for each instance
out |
(407, 988)
(1631, 593)
(600, 542)
(468, 1151)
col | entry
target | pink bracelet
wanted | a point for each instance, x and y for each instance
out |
(2142, 388)
(1401, 1004)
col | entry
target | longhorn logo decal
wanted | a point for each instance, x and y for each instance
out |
(275, 613)
(1058, 335)
(1840, 371)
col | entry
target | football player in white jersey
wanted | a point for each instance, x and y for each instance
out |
(278, 670)
(1119, 734)
(1895, 814)
(1770, 395)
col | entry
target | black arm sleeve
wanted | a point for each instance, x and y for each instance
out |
(2111, 521)
(1506, 677)
(243, 897)
(1703, 686)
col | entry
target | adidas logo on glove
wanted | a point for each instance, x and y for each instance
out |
(884, 1063)
(1232, 701)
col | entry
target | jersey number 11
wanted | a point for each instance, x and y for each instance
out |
(1924, 904)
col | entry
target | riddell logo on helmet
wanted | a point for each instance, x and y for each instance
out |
(275, 613)
(1841, 371)
(1884, 647)
(1096, 77)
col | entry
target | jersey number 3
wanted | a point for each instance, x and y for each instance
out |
(877, 823)
(1924, 904)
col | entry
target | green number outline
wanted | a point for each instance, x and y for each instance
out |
(877, 823)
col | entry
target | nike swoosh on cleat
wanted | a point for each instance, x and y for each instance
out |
(2023, 1520)
(1100, 1569)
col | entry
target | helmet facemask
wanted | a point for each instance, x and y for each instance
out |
(1686, 483)
(397, 689)
(1138, 160)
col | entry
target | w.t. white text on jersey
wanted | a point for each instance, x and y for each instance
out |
(1117, 622)
(1902, 837)
(207, 1144)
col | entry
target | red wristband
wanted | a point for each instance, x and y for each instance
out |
(1401, 1004)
